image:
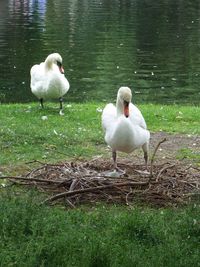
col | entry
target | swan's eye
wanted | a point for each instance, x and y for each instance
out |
(126, 103)
(59, 64)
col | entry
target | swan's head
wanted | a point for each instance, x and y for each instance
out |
(124, 96)
(55, 58)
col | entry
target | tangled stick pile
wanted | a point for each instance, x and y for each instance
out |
(88, 182)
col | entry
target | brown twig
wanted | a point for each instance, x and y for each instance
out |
(153, 156)
(127, 195)
(92, 189)
(31, 179)
(164, 169)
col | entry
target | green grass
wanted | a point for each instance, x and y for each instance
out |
(25, 136)
(186, 153)
(35, 235)
(172, 118)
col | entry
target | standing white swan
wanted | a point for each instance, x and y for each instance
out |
(125, 127)
(48, 80)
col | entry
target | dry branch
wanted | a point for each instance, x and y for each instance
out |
(162, 170)
(30, 179)
(153, 155)
(93, 189)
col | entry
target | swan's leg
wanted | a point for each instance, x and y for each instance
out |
(61, 106)
(61, 102)
(41, 102)
(145, 149)
(114, 156)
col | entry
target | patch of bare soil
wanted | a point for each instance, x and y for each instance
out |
(170, 149)
(170, 181)
(174, 143)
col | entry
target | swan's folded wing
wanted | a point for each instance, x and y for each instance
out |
(108, 116)
(64, 83)
(37, 74)
(136, 116)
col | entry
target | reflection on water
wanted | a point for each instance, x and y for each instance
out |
(151, 46)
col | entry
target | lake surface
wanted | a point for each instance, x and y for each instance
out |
(151, 46)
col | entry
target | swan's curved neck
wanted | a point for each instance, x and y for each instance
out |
(120, 107)
(48, 63)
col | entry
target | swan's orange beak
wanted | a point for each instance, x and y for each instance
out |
(126, 109)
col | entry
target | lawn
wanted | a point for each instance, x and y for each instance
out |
(100, 235)
(35, 235)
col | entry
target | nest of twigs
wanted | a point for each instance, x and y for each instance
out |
(76, 183)
(89, 182)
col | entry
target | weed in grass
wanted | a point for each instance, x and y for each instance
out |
(186, 153)
(190, 226)
(139, 228)
(99, 258)
(140, 232)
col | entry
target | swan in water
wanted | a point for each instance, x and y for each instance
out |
(48, 80)
(124, 126)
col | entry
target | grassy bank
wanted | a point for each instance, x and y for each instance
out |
(37, 235)
(29, 133)
(33, 235)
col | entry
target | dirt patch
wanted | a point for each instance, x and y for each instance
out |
(174, 144)
(171, 150)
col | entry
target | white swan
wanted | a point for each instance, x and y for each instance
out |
(48, 80)
(125, 127)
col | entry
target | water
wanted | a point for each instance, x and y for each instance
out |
(151, 46)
